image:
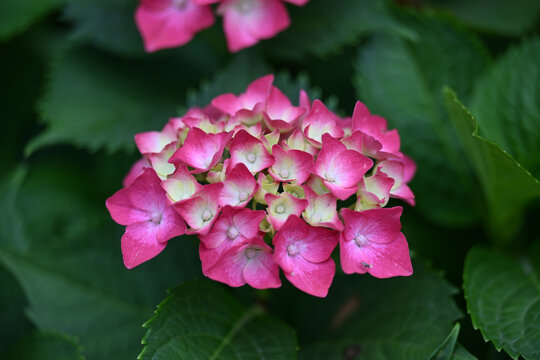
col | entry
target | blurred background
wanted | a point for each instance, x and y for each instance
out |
(77, 85)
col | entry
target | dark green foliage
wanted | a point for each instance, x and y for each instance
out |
(77, 86)
(202, 321)
(503, 298)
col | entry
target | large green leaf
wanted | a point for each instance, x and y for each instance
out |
(77, 284)
(320, 28)
(401, 80)
(202, 321)
(503, 298)
(506, 104)
(17, 15)
(506, 185)
(46, 346)
(100, 101)
(106, 23)
(398, 319)
(503, 17)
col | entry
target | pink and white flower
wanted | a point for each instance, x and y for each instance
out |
(396, 170)
(372, 242)
(201, 210)
(232, 228)
(281, 206)
(339, 168)
(238, 188)
(291, 166)
(250, 263)
(201, 151)
(150, 218)
(250, 151)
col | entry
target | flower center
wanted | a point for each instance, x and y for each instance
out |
(206, 215)
(292, 249)
(360, 240)
(232, 233)
(179, 4)
(156, 218)
(251, 252)
(330, 177)
(243, 196)
(251, 157)
(280, 209)
(284, 173)
(244, 5)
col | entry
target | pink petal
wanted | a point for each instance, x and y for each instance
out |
(280, 114)
(374, 226)
(228, 268)
(122, 210)
(380, 260)
(163, 24)
(256, 93)
(261, 272)
(314, 279)
(249, 151)
(297, 2)
(170, 226)
(201, 151)
(281, 207)
(181, 185)
(239, 187)
(320, 121)
(202, 209)
(139, 244)
(303, 252)
(247, 22)
(135, 170)
(153, 141)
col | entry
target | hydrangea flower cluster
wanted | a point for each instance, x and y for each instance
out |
(260, 181)
(171, 23)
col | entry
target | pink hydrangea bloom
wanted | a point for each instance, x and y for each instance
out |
(260, 182)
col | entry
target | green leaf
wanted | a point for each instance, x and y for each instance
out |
(462, 354)
(12, 231)
(106, 23)
(506, 185)
(320, 28)
(503, 299)
(100, 101)
(506, 104)
(78, 270)
(17, 15)
(504, 17)
(397, 319)
(203, 321)
(12, 302)
(446, 350)
(401, 81)
(450, 349)
(47, 346)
